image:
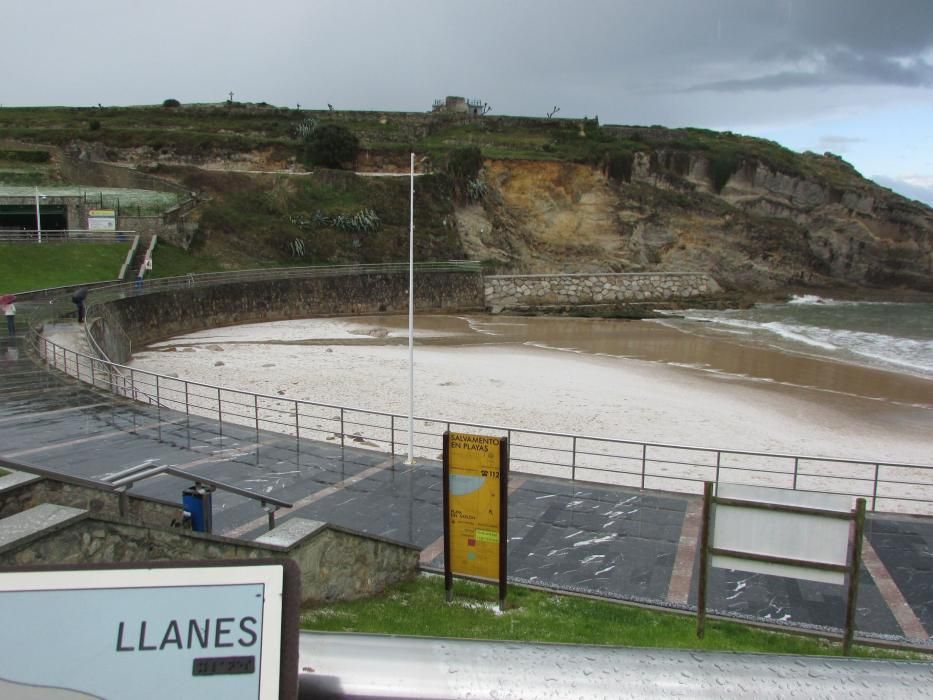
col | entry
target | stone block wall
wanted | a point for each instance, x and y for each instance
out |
(144, 511)
(505, 291)
(335, 564)
(343, 565)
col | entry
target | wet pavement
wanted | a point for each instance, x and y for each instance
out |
(591, 538)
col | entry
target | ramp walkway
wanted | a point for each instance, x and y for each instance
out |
(609, 541)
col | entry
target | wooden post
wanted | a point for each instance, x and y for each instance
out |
(504, 521)
(855, 561)
(704, 558)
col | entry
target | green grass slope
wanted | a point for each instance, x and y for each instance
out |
(26, 267)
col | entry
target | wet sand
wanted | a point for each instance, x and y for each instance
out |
(633, 380)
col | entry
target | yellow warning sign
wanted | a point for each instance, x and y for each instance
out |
(475, 484)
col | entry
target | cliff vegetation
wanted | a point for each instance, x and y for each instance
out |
(521, 194)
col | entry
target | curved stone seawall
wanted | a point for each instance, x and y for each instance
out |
(505, 291)
(135, 321)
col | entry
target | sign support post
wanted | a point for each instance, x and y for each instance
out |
(704, 558)
(855, 560)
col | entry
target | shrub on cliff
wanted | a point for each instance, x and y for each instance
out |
(464, 163)
(332, 146)
(171, 102)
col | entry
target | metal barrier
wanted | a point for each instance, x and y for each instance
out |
(337, 665)
(208, 279)
(122, 481)
(887, 486)
(66, 236)
(126, 478)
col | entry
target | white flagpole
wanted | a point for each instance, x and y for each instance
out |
(411, 317)
(38, 216)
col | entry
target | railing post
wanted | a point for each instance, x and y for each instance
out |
(158, 408)
(133, 389)
(796, 467)
(341, 429)
(874, 491)
(297, 434)
(718, 464)
(392, 433)
(256, 416)
(573, 461)
(644, 462)
(220, 416)
(187, 417)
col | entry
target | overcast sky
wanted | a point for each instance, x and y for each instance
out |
(854, 77)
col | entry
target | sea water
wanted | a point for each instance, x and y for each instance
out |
(892, 336)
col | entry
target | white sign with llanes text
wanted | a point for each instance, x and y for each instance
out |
(142, 633)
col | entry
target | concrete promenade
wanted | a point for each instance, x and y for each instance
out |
(583, 537)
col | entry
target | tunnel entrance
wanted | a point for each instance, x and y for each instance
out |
(22, 217)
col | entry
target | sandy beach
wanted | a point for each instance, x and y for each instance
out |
(630, 380)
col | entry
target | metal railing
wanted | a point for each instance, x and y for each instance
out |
(103, 293)
(887, 486)
(126, 478)
(121, 482)
(67, 236)
(306, 272)
(418, 668)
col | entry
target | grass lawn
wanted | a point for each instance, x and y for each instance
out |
(24, 267)
(418, 608)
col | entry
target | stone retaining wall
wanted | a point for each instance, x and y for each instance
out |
(139, 320)
(139, 509)
(335, 563)
(506, 291)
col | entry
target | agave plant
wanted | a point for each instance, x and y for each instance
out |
(476, 190)
(363, 221)
(304, 128)
(297, 248)
(300, 220)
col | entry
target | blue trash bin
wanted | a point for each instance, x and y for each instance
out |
(196, 502)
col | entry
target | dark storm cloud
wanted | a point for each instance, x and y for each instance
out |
(630, 61)
(837, 68)
(829, 43)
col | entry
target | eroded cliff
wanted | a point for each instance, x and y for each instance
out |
(763, 230)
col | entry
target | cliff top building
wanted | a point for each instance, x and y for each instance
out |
(460, 105)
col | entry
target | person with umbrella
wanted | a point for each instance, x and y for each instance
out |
(9, 310)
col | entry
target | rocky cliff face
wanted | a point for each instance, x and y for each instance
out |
(763, 230)
(757, 223)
